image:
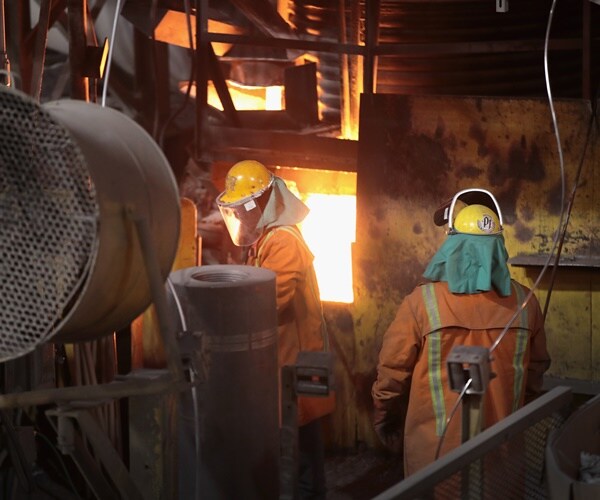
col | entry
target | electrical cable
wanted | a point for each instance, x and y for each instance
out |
(572, 198)
(16, 452)
(452, 412)
(192, 66)
(110, 52)
(11, 77)
(562, 195)
(194, 390)
(559, 226)
(568, 217)
(60, 460)
(178, 304)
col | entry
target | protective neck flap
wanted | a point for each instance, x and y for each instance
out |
(471, 264)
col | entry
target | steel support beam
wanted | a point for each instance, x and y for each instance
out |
(281, 148)
(372, 40)
(202, 75)
(71, 441)
(77, 42)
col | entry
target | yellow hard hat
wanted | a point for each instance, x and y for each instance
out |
(477, 219)
(246, 179)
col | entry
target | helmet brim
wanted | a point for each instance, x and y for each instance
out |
(225, 199)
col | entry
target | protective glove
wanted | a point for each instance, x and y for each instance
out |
(391, 436)
(388, 422)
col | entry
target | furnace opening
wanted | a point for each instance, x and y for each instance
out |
(330, 227)
(329, 231)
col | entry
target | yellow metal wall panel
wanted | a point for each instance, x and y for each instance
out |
(187, 250)
(595, 328)
(568, 323)
(415, 152)
(146, 344)
(593, 230)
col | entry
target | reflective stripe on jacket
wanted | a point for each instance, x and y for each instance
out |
(429, 323)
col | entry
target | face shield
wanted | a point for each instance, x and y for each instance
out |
(243, 220)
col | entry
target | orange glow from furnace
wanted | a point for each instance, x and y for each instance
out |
(329, 230)
(248, 98)
(274, 97)
(243, 97)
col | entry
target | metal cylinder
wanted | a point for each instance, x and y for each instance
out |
(71, 261)
(232, 310)
(130, 172)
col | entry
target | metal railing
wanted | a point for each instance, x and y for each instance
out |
(504, 461)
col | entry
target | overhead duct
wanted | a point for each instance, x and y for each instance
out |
(74, 176)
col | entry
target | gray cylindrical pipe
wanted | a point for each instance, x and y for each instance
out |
(232, 309)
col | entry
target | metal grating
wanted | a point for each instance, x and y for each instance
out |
(48, 224)
(513, 470)
(505, 461)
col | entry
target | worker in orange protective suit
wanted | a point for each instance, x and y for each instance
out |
(469, 300)
(261, 213)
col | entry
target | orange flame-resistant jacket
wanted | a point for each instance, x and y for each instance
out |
(412, 363)
(299, 314)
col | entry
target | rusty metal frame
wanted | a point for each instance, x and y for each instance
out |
(262, 15)
(289, 43)
(71, 441)
(137, 383)
(39, 51)
(277, 36)
(307, 151)
(289, 435)
(35, 41)
(202, 74)
(221, 86)
(134, 383)
(77, 41)
(369, 51)
(371, 42)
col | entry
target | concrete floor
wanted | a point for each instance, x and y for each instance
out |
(361, 475)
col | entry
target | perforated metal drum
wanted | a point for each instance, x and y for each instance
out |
(70, 262)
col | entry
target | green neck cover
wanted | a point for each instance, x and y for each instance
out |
(471, 263)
